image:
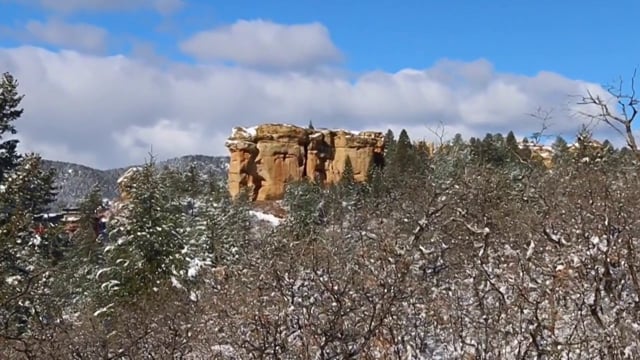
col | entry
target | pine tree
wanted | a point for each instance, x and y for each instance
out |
(402, 160)
(147, 242)
(27, 258)
(311, 125)
(10, 111)
(584, 140)
(488, 152)
(41, 189)
(224, 224)
(511, 143)
(403, 147)
(458, 142)
(608, 147)
(84, 258)
(375, 181)
(474, 147)
(560, 149)
(192, 182)
(389, 146)
(347, 177)
(304, 199)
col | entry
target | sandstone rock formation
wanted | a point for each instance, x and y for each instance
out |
(541, 153)
(266, 157)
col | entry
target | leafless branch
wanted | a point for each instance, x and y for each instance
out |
(618, 117)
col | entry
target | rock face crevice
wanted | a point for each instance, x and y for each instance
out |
(267, 157)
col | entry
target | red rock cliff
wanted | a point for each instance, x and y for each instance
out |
(264, 158)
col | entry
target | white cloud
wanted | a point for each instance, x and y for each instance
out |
(59, 150)
(78, 36)
(69, 6)
(264, 43)
(164, 139)
(109, 111)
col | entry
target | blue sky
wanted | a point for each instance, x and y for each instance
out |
(475, 66)
(587, 39)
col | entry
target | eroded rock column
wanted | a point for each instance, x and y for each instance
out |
(280, 159)
(242, 166)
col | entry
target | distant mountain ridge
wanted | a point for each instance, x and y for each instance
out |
(75, 181)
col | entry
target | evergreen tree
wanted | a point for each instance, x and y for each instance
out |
(192, 180)
(191, 187)
(458, 142)
(607, 148)
(41, 190)
(225, 223)
(511, 143)
(560, 149)
(27, 257)
(584, 142)
(488, 150)
(375, 181)
(475, 149)
(503, 153)
(310, 126)
(304, 199)
(10, 111)
(87, 238)
(403, 148)
(84, 258)
(148, 248)
(389, 145)
(560, 145)
(347, 178)
(512, 148)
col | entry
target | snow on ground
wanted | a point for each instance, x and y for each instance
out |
(275, 221)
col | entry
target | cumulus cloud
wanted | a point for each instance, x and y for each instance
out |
(110, 111)
(69, 6)
(164, 139)
(78, 36)
(59, 150)
(264, 43)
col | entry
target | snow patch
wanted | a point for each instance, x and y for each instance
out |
(103, 310)
(244, 132)
(12, 280)
(37, 240)
(274, 220)
(176, 283)
(194, 267)
(128, 173)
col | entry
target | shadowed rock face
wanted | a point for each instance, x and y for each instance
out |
(266, 157)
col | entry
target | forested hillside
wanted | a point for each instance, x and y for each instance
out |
(477, 251)
(74, 182)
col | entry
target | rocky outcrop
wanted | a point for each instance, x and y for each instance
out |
(266, 157)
